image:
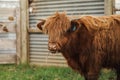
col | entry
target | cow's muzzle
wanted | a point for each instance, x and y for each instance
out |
(52, 47)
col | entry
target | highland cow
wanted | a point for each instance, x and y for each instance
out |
(88, 43)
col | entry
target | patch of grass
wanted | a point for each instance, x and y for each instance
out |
(23, 72)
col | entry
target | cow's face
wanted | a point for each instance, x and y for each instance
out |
(58, 40)
(60, 32)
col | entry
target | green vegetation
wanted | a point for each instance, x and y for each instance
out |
(22, 72)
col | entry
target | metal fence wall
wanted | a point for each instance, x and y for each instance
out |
(8, 18)
(45, 8)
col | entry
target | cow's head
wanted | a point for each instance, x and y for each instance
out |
(61, 31)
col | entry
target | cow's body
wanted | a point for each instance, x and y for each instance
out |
(89, 44)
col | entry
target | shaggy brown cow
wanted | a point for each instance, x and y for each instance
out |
(89, 43)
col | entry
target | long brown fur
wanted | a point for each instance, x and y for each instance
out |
(94, 45)
(96, 23)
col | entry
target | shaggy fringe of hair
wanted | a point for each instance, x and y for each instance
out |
(59, 23)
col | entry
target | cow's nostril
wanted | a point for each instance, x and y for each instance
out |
(52, 47)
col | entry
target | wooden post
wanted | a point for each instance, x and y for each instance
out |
(114, 9)
(109, 7)
(18, 36)
(24, 20)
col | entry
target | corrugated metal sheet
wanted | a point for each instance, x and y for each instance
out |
(45, 8)
(9, 3)
(8, 39)
(39, 53)
(7, 43)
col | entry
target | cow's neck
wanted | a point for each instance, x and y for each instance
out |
(74, 54)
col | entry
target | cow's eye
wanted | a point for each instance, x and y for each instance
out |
(73, 27)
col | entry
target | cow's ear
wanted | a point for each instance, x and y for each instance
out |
(40, 24)
(75, 24)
